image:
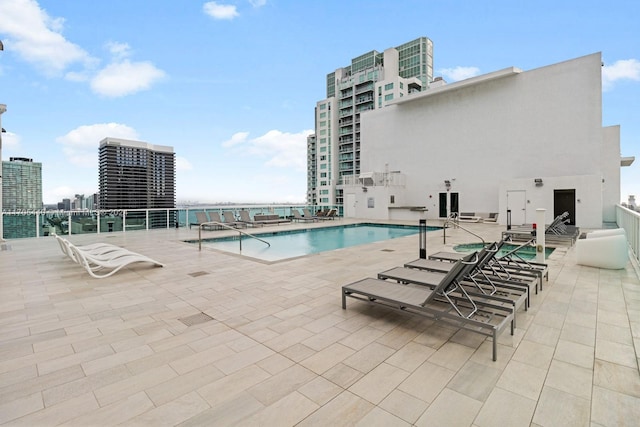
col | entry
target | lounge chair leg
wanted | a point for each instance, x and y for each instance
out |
(344, 300)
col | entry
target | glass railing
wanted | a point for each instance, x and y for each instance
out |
(630, 221)
(41, 223)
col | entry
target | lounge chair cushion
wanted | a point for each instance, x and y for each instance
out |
(610, 252)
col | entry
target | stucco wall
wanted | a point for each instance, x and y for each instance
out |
(490, 129)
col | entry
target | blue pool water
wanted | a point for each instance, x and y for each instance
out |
(295, 243)
(527, 252)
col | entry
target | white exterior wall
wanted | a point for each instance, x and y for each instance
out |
(588, 193)
(499, 128)
(611, 172)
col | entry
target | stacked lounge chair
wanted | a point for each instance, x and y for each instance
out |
(558, 232)
(102, 260)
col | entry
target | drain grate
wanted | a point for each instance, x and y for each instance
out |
(388, 250)
(196, 319)
(198, 273)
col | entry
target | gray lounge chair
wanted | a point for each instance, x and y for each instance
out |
(508, 266)
(246, 218)
(201, 218)
(298, 217)
(484, 293)
(306, 213)
(230, 220)
(332, 214)
(446, 302)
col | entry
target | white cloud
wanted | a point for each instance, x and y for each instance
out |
(280, 149)
(459, 73)
(80, 145)
(123, 77)
(183, 164)
(119, 50)
(258, 3)
(10, 141)
(36, 37)
(126, 77)
(220, 11)
(237, 138)
(623, 69)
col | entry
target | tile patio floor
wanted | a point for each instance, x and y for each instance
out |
(280, 351)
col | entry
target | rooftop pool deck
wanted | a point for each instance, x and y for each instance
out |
(218, 339)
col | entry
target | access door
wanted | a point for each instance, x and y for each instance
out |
(448, 204)
(350, 205)
(565, 201)
(517, 204)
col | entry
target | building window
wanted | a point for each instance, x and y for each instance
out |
(388, 86)
(388, 97)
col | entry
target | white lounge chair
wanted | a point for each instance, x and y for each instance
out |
(93, 264)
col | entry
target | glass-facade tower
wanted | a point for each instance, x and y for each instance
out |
(371, 81)
(136, 175)
(21, 194)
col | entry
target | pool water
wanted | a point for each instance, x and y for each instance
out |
(296, 243)
(527, 252)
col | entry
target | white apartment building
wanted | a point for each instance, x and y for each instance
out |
(508, 141)
(371, 81)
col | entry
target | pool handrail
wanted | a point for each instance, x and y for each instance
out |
(456, 224)
(220, 224)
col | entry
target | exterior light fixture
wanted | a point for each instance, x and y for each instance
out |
(538, 182)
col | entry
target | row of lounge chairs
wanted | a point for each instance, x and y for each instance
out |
(319, 216)
(476, 291)
(101, 260)
(558, 232)
(214, 221)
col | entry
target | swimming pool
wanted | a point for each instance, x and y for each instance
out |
(527, 252)
(295, 243)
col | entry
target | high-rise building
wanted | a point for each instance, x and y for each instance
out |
(136, 175)
(370, 82)
(21, 193)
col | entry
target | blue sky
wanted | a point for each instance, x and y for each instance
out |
(232, 85)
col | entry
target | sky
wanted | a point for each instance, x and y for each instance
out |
(231, 85)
